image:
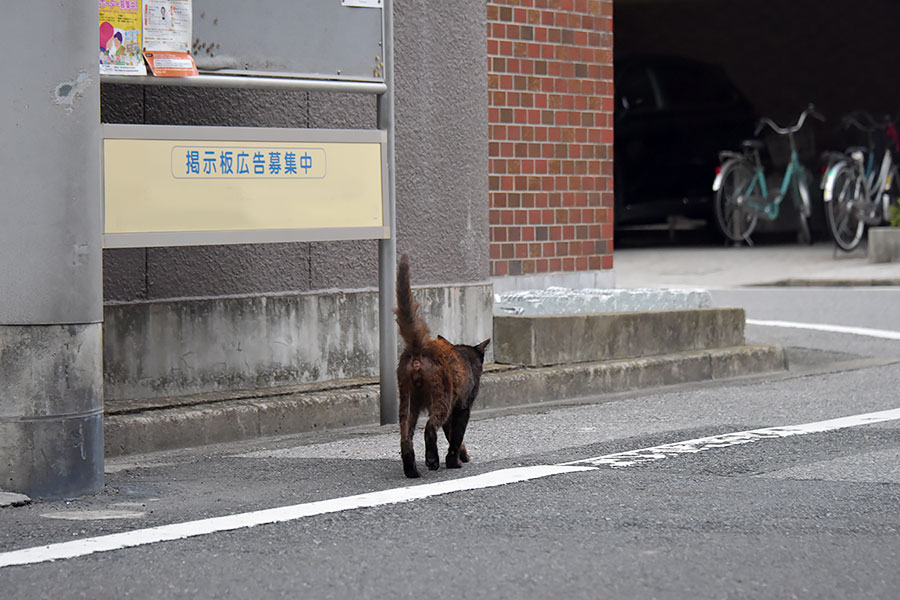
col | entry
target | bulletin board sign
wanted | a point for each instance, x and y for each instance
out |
(182, 186)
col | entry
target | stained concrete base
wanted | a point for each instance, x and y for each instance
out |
(51, 409)
(884, 244)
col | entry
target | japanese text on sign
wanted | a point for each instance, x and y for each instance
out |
(250, 162)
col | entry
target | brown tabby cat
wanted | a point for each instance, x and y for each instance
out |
(436, 376)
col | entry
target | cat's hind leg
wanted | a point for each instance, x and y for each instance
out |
(408, 417)
(437, 416)
(431, 454)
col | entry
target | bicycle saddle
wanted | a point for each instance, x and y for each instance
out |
(752, 145)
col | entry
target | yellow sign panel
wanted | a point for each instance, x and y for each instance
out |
(195, 191)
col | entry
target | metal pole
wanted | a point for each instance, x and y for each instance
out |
(387, 249)
(51, 372)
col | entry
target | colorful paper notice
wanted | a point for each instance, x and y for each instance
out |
(120, 38)
(171, 64)
(167, 37)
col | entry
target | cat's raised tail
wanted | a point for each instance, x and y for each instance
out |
(412, 328)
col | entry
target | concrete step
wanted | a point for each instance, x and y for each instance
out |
(560, 339)
(163, 424)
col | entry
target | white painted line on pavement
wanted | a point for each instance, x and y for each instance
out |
(178, 531)
(878, 333)
(645, 455)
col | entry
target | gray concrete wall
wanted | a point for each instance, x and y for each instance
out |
(181, 347)
(442, 220)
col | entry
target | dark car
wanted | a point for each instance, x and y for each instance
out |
(672, 118)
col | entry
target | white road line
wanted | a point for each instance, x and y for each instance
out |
(645, 455)
(878, 333)
(177, 531)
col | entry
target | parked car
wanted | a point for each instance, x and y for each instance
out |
(672, 117)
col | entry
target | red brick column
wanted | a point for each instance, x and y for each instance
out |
(550, 78)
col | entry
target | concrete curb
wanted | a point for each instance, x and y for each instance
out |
(874, 282)
(279, 413)
(12, 499)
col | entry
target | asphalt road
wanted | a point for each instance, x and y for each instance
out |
(812, 515)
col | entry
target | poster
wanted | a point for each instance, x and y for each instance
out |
(120, 38)
(167, 25)
(167, 37)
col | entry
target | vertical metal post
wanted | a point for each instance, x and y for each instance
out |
(387, 249)
(51, 372)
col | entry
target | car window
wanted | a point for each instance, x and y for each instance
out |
(694, 85)
(635, 90)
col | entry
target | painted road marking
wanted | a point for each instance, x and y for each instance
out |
(94, 515)
(178, 531)
(878, 333)
(654, 453)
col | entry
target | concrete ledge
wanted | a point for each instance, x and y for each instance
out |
(550, 384)
(563, 339)
(273, 412)
(221, 420)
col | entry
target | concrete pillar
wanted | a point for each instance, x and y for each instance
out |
(51, 377)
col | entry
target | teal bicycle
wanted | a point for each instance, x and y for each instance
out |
(742, 194)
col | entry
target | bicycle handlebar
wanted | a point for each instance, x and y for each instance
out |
(852, 120)
(810, 111)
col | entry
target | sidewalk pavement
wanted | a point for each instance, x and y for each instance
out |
(718, 267)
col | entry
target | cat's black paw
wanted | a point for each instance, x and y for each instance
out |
(433, 463)
(411, 473)
(453, 462)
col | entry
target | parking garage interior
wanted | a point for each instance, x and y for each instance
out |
(782, 54)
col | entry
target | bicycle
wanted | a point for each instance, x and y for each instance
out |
(856, 192)
(742, 194)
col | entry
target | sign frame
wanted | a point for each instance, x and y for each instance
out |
(176, 133)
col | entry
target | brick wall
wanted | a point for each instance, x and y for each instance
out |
(550, 79)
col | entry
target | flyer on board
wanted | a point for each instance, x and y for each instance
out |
(167, 37)
(120, 38)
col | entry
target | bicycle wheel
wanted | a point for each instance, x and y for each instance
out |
(735, 220)
(844, 225)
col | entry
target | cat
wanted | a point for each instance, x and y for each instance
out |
(433, 375)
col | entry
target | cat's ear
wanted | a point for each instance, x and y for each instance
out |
(480, 347)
